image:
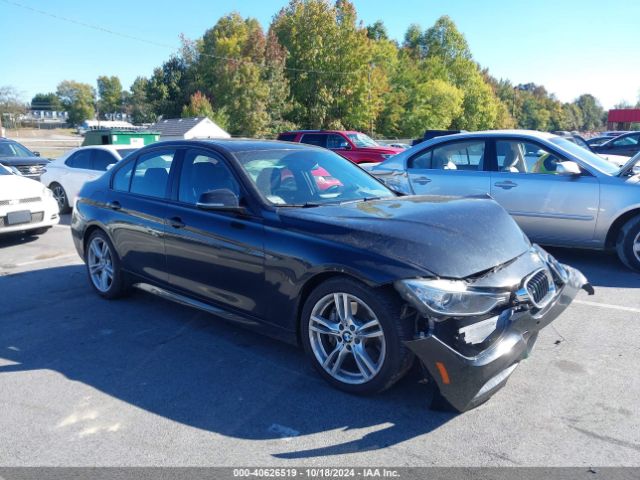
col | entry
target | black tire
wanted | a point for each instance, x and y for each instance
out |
(61, 197)
(628, 238)
(117, 286)
(387, 308)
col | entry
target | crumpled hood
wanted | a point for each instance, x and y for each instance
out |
(452, 237)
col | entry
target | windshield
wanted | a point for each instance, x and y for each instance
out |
(586, 156)
(308, 177)
(361, 140)
(12, 149)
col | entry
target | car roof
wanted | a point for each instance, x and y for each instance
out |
(236, 145)
(321, 131)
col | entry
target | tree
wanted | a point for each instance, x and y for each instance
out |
(168, 88)
(138, 105)
(46, 101)
(328, 64)
(199, 106)
(592, 111)
(78, 99)
(377, 31)
(232, 71)
(110, 93)
(445, 41)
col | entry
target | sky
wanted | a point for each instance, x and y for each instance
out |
(569, 46)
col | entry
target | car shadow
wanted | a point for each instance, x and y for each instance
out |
(192, 368)
(602, 269)
(17, 238)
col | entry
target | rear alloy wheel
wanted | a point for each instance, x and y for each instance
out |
(61, 197)
(355, 338)
(628, 245)
(103, 266)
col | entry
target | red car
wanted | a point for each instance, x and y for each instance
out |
(354, 146)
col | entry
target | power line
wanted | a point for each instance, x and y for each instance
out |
(171, 47)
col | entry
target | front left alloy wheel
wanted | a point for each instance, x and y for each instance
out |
(103, 266)
(354, 337)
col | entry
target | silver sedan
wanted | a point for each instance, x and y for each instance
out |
(559, 193)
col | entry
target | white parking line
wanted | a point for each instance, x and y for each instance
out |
(42, 260)
(608, 305)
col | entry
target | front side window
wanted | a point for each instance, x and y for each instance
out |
(629, 141)
(452, 156)
(308, 177)
(525, 157)
(151, 173)
(203, 173)
(336, 141)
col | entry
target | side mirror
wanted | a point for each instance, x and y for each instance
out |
(345, 146)
(568, 168)
(222, 199)
(37, 154)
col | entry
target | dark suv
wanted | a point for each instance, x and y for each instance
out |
(354, 146)
(20, 158)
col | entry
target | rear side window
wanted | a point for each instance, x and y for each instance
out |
(122, 178)
(102, 159)
(151, 174)
(81, 159)
(287, 137)
(317, 139)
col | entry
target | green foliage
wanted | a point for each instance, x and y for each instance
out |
(46, 101)
(329, 64)
(592, 112)
(78, 99)
(138, 104)
(317, 66)
(110, 94)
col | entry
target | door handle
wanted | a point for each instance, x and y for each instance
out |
(115, 205)
(176, 222)
(422, 180)
(507, 185)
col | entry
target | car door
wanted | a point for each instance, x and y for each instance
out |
(137, 202)
(451, 168)
(216, 255)
(77, 170)
(550, 208)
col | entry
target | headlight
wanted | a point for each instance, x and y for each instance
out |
(450, 298)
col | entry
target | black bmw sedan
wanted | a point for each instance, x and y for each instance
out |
(300, 244)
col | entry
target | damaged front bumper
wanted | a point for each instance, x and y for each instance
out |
(466, 381)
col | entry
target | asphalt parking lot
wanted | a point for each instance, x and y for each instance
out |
(142, 381)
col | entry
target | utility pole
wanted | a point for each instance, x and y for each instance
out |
(371, 65)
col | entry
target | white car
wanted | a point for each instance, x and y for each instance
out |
(66, 175)
(25, 204)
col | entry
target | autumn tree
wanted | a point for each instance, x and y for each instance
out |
(110, 95)
(78, 99)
